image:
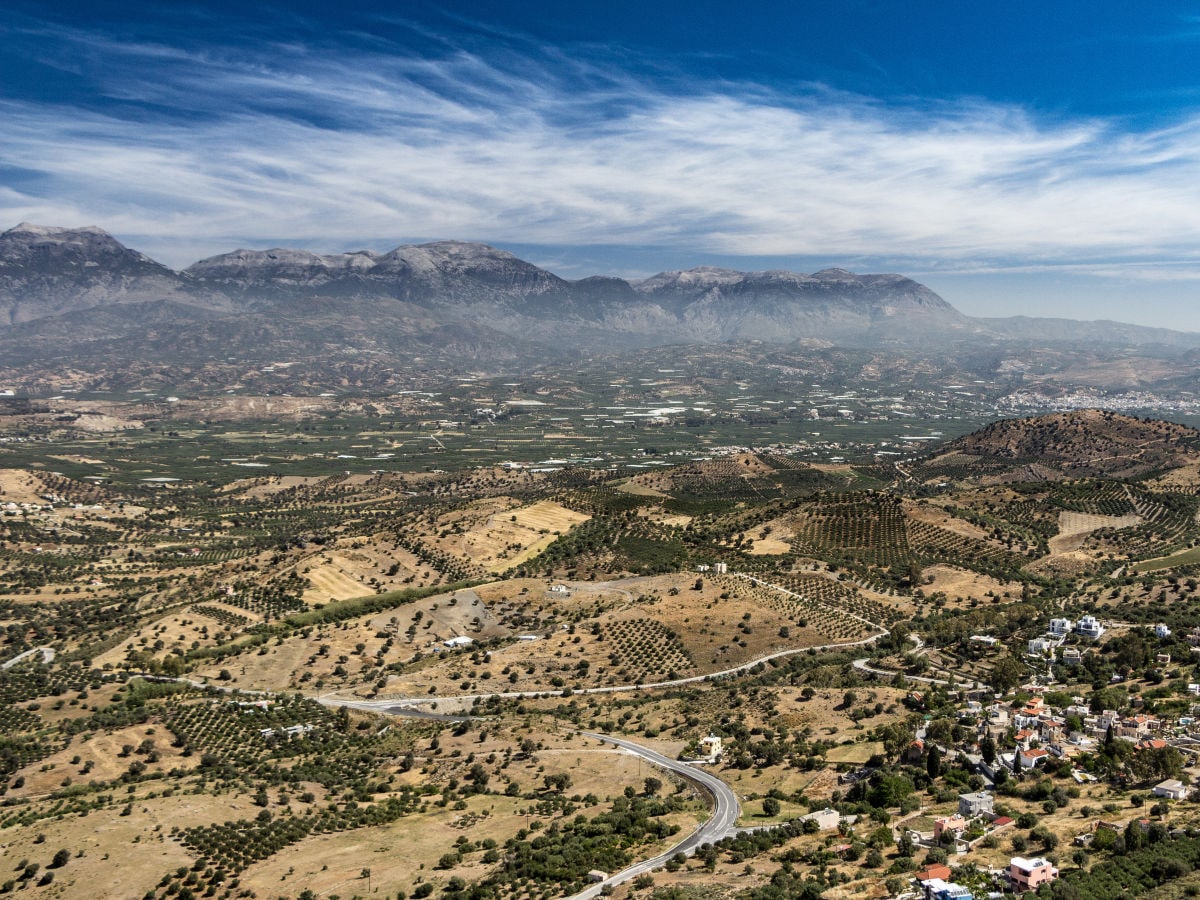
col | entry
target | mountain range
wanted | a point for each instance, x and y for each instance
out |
(71, 294)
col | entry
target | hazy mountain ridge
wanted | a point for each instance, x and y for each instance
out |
(1029, 328)
(417, 292)
(51, 271)
(449, 270)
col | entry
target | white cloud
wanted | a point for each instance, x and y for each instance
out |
(330, 151)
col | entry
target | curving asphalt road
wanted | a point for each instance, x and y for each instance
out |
(46, 652)
(411, 702)
(725, 806)
(863, 665)
(724, 816)
(723, 819)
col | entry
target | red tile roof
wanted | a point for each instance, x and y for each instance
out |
(934, 870)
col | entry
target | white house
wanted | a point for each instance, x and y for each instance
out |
(1040, 646)
(710, 747)
(1059, 627)
(1089, 627)
(1031, 758)
(1172, 789)
(1161, 630)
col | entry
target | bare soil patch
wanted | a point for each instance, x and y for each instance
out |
(962, 583)
(105, 754)
(1073, 527)
(508, 536)
(20, 486)
(935, 515)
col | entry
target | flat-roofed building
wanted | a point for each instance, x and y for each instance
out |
(1030, 874)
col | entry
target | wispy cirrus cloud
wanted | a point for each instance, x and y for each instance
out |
(191, 150)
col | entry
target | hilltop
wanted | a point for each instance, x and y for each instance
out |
(1077, 444)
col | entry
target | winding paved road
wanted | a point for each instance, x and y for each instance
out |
(47, 656)
(413, 702)
(863, 665)
(724, 816)
(725, 806)
(410, 702)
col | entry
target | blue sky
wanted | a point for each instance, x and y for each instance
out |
(1019, 158)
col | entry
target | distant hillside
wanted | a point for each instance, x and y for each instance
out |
(735, 478)
(1080, 444)
(1072, 331)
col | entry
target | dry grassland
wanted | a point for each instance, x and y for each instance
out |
(176, 631)
(638, 488)
(934, 515)
(1073, 527)
(123, 856)
(855, 753)
(20, 486)
(1067, 564)
(270, 668)
(332, 581)
(963, 584)
(103, 753)
(508, 536)
(779, 541)
(397, 854)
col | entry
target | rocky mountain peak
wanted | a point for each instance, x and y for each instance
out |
(46, 271)
(278, 262)
(41, 246)
(465, 250)
(49, 231)
(697, 277)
